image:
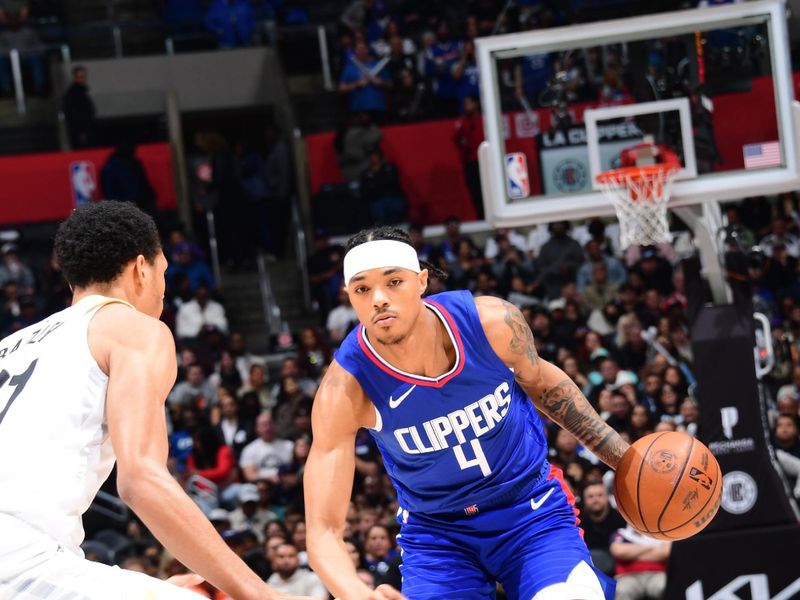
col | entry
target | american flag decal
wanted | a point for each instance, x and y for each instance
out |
(472, 509)
(766, 154)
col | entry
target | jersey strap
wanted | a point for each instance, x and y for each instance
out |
(94, 302)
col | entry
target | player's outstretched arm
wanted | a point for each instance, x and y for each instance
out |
(551, 390)
(340, 409)
(138, 354)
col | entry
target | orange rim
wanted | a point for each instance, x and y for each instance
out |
(623, 173)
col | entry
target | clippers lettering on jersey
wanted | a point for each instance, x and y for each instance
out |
(447, 431)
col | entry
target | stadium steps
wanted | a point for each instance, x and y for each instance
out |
(315, 109)
(244, 308)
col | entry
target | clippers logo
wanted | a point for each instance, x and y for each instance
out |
(517, 181)
(471, 510)
(739, 492)
(84, 182)
(570, 176)
(697, 475)
(730, 417)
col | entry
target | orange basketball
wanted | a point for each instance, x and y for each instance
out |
(668, 485)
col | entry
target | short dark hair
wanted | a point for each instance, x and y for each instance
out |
(592, 482)
(795, 420)
(98, 239)
(387, 232)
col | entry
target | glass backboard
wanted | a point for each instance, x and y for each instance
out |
(713, 84)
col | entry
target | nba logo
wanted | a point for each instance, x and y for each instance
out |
(517, 176)
(84, 182)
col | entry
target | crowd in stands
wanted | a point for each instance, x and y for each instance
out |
(240, 424)
(247, 183)
(240, 427)
(233, 23)
(16, 32)
(408, 61)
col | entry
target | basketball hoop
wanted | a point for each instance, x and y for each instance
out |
(640, 195)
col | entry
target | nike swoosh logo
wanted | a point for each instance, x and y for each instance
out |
(395, 403)
(536, 504)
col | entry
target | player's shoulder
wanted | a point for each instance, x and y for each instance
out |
(122, 320)
(341, 397)
(339, 380)
(492, 310)
(117, 325)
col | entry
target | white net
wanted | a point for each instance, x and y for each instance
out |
(640, 196)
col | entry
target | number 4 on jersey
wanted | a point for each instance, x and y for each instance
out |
(478, 461)
(17, 382)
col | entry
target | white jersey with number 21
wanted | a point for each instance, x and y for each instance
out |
(55, 451)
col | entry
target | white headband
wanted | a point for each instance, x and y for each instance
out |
(377, 254)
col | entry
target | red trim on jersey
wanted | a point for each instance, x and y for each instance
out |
(558, 474)
(410, 379)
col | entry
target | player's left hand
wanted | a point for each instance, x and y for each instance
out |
(188, 580)
(386, 592)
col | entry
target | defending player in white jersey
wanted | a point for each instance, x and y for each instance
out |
(80, 389)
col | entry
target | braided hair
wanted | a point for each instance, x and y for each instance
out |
(387, 232)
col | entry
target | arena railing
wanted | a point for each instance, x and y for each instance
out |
(272, 312)
(15, 61)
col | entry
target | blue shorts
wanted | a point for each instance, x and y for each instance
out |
(526, 547)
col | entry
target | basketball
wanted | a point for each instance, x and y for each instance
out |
(668, 485)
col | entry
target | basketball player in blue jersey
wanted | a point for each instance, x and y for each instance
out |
(449, 386)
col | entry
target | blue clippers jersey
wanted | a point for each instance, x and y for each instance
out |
(465, 441)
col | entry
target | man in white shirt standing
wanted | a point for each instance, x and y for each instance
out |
(287, 577)
(199, 312)
(262, 457)
(341, 319)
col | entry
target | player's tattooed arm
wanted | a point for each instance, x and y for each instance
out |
(522, 342)
(566, 405)
(551, 390)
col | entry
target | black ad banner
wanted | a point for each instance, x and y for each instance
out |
(733, 421)
(757, 564)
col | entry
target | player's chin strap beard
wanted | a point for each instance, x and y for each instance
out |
(379, 254)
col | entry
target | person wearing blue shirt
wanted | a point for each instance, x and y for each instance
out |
(440, 59)
(465, 72)
(532, 76)
(364, 79)
(196, 271)
(449, 387)
(233, 21)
